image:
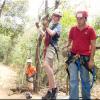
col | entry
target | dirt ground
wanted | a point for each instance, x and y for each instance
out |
(8, 80)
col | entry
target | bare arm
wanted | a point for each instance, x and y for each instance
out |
(68, 43)
(50, 32)
(93, 48)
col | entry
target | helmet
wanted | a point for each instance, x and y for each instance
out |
(29, 60)
(57, 12)
(82, 14)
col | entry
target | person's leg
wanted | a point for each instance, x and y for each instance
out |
(48, 67)
(74, 91)
(85, 80)
(29, 92)
(30, 87)
(50, 75)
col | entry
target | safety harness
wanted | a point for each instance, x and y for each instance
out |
(79, 61)
(52, 40)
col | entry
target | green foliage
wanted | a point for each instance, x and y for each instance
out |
(4, 45)
(97, 24)
(12, 23)
(15, 8)
(97, 28)
(97, 59)
(24, 49)
(19, 45)
(67, 21)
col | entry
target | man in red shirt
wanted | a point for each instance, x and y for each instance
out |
(81, 43)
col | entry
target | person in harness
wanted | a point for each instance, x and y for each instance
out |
(52, 34)
(30, 73)
(81, 44)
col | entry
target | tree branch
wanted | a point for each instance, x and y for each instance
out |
(2, 6)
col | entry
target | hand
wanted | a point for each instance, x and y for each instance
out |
(65, 51)
(45, 23)
(37, 24)
(91, 63)
(69, 48)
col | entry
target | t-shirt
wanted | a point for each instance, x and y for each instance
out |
(52, 39)
(31, 70)
(81, 40)
(57, 29)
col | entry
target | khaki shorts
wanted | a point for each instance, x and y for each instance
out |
(50, 54)
(30, 86)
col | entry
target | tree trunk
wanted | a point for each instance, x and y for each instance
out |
(37, 62)
(46, 7)
(57, 2)
(37, 56)
(2, 6)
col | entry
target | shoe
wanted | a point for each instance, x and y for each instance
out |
(47, 96)
(54, 93)
(28, 95)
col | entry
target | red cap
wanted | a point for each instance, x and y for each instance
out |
(82, 14)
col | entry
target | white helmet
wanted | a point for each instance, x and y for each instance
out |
(57, 12)
(29, 60)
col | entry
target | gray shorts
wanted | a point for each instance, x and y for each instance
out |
(50, 54)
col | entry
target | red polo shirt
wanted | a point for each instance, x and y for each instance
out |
(81, 40)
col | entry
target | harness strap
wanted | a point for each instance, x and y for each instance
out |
(54, 26)
(92, 71)
(55, 50)
(82, 61)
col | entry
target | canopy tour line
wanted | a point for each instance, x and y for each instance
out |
(62, 57)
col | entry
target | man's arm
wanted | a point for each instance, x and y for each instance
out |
(56, 30)
(93, 48)
(50, 32)
(93, 43)
(69, 43)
